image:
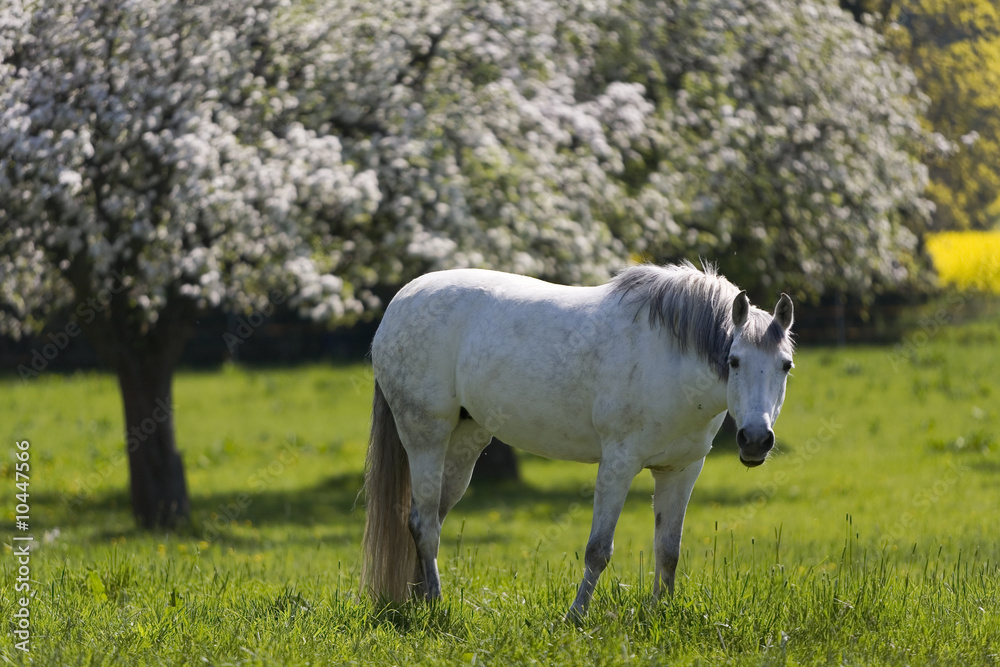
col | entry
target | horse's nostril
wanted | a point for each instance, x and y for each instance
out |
(769, 441)
(756, 440)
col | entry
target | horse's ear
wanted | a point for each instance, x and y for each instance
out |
(741, 309)
(784, 312)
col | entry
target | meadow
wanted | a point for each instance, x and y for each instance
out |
(872, 536)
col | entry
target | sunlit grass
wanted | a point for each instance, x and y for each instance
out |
(871, 536)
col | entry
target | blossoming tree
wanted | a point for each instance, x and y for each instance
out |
(143, 171)
(158, 158)
(786, 143)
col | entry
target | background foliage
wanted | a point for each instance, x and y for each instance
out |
(953, 47)
(323, 149)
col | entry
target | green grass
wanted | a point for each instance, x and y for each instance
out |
(872, 537)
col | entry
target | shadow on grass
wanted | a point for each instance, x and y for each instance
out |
(335, 508)
(987, 466)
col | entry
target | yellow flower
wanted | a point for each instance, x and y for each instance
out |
(970, 261)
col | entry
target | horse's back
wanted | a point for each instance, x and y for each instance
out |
(461, 301)
(498, 345)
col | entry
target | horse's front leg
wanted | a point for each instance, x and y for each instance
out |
(670, 500)
(614, 476)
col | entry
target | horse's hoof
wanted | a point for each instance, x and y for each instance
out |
(575, 615)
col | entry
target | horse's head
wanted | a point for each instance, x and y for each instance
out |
(759, 361)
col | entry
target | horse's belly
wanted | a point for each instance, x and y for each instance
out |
(551, 429)
(553, 443)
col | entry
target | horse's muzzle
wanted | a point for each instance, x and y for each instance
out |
(755, 443)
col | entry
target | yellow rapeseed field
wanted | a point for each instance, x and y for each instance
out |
(969, 261)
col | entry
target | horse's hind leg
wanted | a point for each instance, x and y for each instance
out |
(468, 441)
(439, 479)
(426, 448)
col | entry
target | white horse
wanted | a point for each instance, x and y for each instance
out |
(637, 373)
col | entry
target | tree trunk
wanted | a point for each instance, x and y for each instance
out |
(497, 462)
(144, 357)
(158, 485)
(144, 352)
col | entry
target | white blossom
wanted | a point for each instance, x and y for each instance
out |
(218, 151)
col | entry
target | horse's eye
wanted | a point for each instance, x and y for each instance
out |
(734, 362)
(787, 366)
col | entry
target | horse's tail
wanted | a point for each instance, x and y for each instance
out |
(390, 556)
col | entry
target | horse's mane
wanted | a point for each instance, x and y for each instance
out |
(696, 307)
